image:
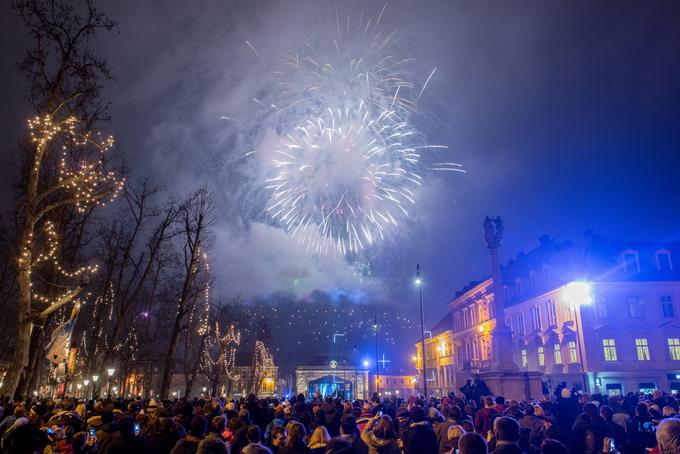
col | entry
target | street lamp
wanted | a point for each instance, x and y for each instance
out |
(110, 371)
(95, 378)
(422, 328)
(577, 294)
(377, 364)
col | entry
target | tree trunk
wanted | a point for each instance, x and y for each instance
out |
(25, 324)
(30, 379)
(169, 366)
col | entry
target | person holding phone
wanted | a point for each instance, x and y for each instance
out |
(125, 441)
(380, 435)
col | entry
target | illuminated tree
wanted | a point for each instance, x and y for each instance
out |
(196, 217)
(65, 160)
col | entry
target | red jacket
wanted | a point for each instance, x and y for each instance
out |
(484, 420)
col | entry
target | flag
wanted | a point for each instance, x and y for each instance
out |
(60, 342)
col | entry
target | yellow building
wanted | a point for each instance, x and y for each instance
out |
(439, 354)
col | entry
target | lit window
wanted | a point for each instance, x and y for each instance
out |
(525, 360)
(541, 356)
(674, 348)
(571, 345)
(557, 353)
(642, 348)
(609, 348)
(667, 306)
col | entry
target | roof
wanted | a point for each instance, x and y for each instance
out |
(445, 324)
(593, 258)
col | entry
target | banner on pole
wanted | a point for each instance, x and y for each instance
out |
(57, 350)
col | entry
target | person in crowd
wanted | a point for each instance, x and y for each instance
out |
(668, 436)
(349, 432)
(641, 428)
(535, 424)
(277, 439)
(484, 417)
(318, 439)
(197, 431)
(106, 430)
(211, 445)
(124, 440)
(295, 441)
(472, 443)
(163, 433)
(553, 447)
(506, 434)
(380, 436)
(419, 438)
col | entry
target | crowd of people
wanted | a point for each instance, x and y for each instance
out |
(560, 423)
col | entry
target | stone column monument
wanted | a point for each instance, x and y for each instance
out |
(503, 376)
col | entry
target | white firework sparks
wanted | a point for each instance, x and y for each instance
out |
(349, 164)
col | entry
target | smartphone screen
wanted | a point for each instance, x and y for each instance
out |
(612, 446)
(136, 428)
(91, 432)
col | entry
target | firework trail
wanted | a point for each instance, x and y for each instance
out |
(349, 163)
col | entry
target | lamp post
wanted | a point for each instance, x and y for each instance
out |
(422, 328)
(577, 294)
(86, 382)
(95, 378)
(110, 371)
(377, 364)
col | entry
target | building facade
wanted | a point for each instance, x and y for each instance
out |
(394, 385)
(330, 376)
(599, 314)
(441, 367)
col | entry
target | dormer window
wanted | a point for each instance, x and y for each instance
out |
(631, 261)
(518, 287)
(663, 260)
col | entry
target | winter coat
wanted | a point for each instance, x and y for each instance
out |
(187, 445)
(484, 420)
(300, 448)
(420, 439)
(379, 445)
(507, 448)
(162, 441)
(104, 435)
(535, 424)
(130, 444)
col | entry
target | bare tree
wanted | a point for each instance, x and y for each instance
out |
(196, 217)
(64, 158)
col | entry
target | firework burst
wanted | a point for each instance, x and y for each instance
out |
(349, 163)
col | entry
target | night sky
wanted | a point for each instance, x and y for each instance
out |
(566, 116)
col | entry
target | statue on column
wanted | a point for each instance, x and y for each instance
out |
(501, 335)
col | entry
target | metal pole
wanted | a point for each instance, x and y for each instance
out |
(422, 330)
(377, 364)
(580, 349)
